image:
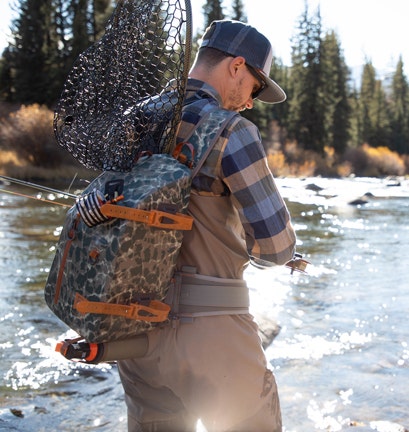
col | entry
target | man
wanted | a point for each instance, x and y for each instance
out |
(210, 364)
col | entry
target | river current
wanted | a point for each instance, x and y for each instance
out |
(341, 358)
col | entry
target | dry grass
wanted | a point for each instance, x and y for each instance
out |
(28, 172)
(384, 161)
(12, 165)
(29, 150)
(364, 161)
(9, 158)
(29, 133)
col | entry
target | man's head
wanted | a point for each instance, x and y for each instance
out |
(237, 39)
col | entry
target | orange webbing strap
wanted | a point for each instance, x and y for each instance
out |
(156, 311)
(182, 158)
(155, 218)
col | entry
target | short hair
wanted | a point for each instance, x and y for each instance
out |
(211, 56)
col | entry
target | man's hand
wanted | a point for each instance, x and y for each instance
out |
(297, 264)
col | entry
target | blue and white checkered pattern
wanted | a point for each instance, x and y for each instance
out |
(237, 167)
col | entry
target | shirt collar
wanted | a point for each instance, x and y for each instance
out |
(195, 86)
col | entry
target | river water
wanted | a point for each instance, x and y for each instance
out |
(341, 358)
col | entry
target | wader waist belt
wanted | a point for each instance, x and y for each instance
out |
(198, 295)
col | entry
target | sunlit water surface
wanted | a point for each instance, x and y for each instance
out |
(341, 358)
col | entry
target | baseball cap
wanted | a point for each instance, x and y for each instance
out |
(238, 39)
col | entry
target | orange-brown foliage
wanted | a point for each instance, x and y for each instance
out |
(362, 161)
(27, 138)
(29, 148)
(384, 161)
(29, 132)
(375, 161)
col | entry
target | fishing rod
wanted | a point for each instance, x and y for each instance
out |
(297, 264)
(38, 187)
(36, 198)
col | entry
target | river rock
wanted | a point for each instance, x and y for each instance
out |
(268, 329)
(313, 187)
(377, 426)
(364, 199)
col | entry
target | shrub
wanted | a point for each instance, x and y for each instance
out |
(375, 161)
(385, 160)
(29, 133)
(8, 157)
(357, 160)
(276, 162)
(405, 159)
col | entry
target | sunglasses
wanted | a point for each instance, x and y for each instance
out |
(263, 84)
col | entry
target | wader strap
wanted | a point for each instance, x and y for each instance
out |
(199, 295)
(219, 296)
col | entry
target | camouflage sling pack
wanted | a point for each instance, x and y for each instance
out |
(112, 110)
(110, 276)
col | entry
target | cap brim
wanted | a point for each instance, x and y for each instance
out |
(273, 93)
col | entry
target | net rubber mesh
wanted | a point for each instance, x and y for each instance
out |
(114, 105)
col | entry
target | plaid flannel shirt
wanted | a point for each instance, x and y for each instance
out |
(237, 167)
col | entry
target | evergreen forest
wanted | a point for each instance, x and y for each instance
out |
(331, 123)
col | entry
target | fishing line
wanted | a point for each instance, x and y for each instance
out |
(38, 187)
(72, 182)
(36, 198)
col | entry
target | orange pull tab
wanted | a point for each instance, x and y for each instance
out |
(154, 218)
(155, 311)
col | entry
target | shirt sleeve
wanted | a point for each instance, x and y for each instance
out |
(270, 237)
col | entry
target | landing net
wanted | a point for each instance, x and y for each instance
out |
(113, 106)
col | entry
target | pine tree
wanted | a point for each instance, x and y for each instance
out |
(6, 80)
(82, 35)
(334, 94)
(48, 37)
(365, 99)
(238, 12)
(63, 31)
(306, 110)
(212, 11)
(374, 115)
(400, 111)
(380, 118)
(355, 126)
(101, 11)
(281, 75)
(28, 54)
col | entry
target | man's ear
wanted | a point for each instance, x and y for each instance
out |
(236, 64)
